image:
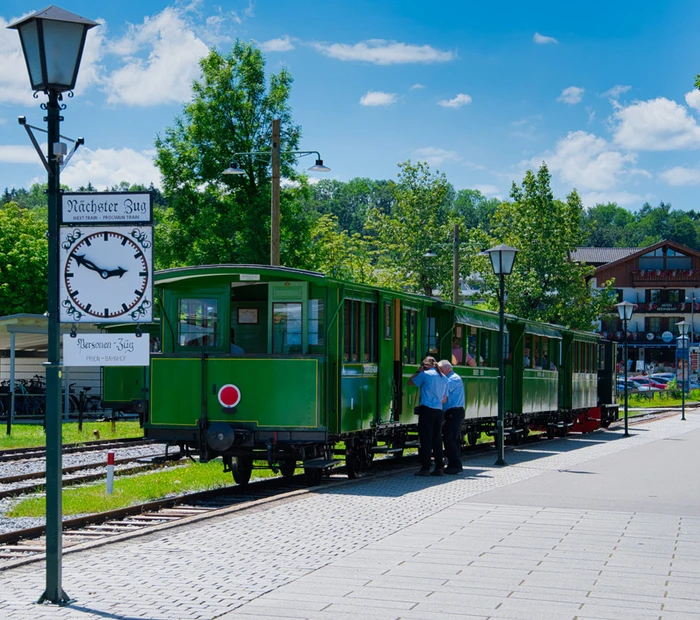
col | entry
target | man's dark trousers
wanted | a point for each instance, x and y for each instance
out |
(452, 436)
(430, 435)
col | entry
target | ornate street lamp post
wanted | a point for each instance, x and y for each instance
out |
(52, 44)
(502, 261)
(624, 311)
(274, 155)
(682, 344)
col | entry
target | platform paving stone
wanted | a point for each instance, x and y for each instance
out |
(479, 545)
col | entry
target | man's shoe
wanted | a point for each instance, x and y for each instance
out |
(422, 472)
(437, 472)
(453, 470)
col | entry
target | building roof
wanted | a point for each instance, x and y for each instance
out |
(601, 256)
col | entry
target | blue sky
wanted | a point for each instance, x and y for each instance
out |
(601, 91)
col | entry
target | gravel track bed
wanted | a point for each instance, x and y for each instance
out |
(96, 459)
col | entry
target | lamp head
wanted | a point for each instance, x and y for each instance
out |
(429, 254)
(52, 44)
(502, 259)
(625, 310)
(683, 328)
(319, 167)
(233, 169)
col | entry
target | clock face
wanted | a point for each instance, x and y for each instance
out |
(106, 275)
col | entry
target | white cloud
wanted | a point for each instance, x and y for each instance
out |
(172, 61)
(381, 52)
(420, 87)
(655, 125)
(680, 175)
(490, 191)
(692, 98)
(571, 95)
(615, 92)
(18, 154)
(107, 167)
(14, 79)
(378, 98)
(621, 198)
(436, 156)
(456, 102)
(540, 39)
(588, 162)
(282, 44)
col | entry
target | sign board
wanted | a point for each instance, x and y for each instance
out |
(106, 208)
(106, 274)
(667, 336)
(106, 350)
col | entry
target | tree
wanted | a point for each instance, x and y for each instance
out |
(23, 261)
(474, 209)
(417, 223)
(214, 218)
(545, 285)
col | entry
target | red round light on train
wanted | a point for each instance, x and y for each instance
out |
(229, 396)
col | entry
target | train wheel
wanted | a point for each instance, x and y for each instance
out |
(472, 437)
(353, 463)
(242, 468)
(313, 476)
(514, 438)
(551, 432)
(287, 468)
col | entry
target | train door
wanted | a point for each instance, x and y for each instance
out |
(387, 403)
(287, 324)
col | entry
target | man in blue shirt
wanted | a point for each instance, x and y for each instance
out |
(433, 391)
(453, 409)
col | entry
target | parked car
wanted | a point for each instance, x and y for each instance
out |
(632, 387)
(643, 380)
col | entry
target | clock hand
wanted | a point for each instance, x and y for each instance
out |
(119, 271)
(81, 260)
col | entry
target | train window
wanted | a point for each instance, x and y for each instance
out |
(601, 357)
(457, 347)
(472, 340)
(527, 352)
(432, 336)
(316, 327)
(351, 352)
(387, 320)
(410, 336)
(286, 327)
(197, 322)
(484, 357)
(370, 350)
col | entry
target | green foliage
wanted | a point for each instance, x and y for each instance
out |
(473, 209)
(544, 285)
(340, 254)
(213, 218)
(23, 261)
(418, 222)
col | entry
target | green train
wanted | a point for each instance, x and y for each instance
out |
(325, 365)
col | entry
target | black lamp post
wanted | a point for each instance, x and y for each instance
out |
(625, 310)
(682, 343)
(52, 44)
(274, 156)
(502, 260)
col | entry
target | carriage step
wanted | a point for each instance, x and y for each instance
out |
(412, 444)
(321, 463)
(385, 450)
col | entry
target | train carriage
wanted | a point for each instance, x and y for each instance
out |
(325, 368)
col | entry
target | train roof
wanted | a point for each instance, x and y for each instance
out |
(466, 314)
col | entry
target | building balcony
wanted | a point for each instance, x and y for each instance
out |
(679, 277)
(673, 307)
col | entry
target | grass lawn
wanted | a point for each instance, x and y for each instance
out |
(32, 435)
(129, 490)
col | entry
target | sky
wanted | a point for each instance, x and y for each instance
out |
(602, 91)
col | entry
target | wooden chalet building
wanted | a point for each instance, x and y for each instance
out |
(663, 280)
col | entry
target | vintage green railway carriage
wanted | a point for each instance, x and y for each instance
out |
(326, 364)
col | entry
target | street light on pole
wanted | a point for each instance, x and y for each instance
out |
(52, 44)
(625, 310)
(502, 261)
(274, 156)
(682, 344)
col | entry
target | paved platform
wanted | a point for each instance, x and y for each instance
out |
(591, 527)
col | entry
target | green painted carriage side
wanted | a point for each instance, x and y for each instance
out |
(284, 393)
(124, 384)
(579, 390)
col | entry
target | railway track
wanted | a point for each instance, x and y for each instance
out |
(18, 454)
(28, 545)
